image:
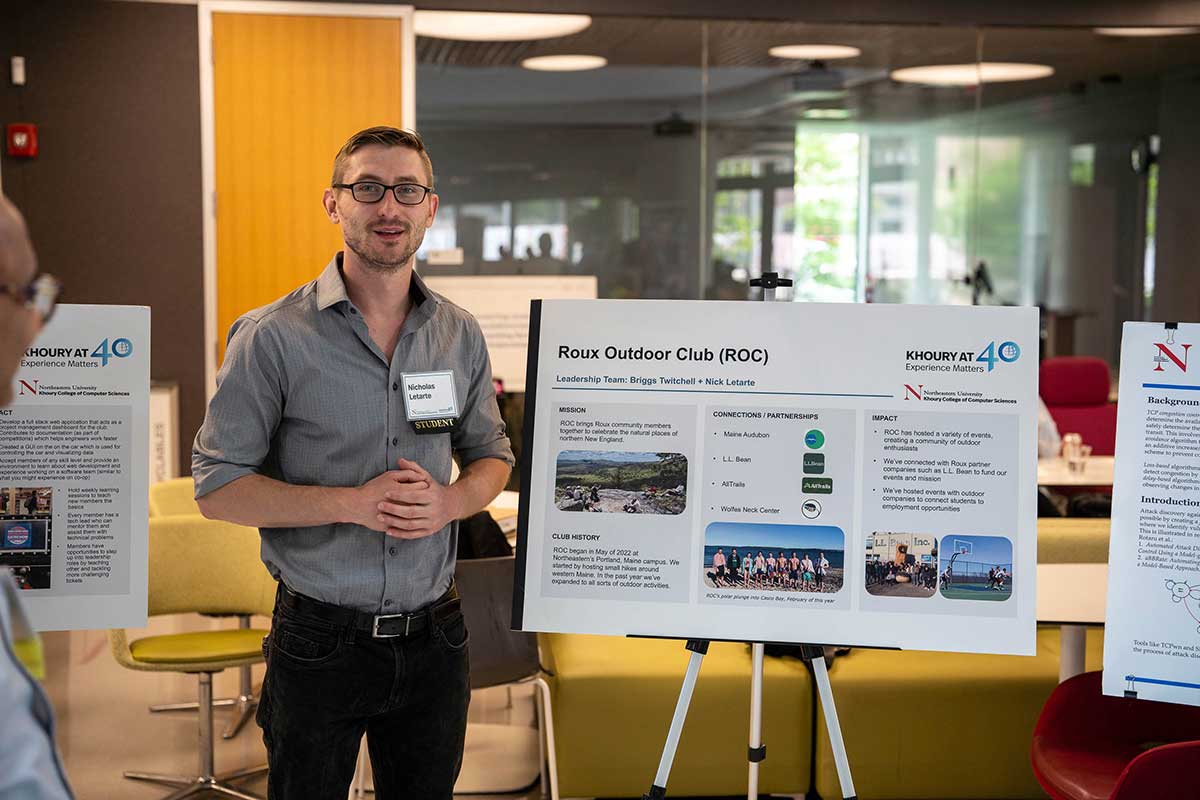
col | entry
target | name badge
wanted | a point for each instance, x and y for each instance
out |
(430, 404)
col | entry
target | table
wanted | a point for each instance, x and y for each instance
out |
(504, 511)
(1072, 596)
(1098, 471)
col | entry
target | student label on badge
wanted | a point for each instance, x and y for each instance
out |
(429, 401)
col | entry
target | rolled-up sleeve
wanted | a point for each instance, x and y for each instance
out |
(480, 430)
(245, 410)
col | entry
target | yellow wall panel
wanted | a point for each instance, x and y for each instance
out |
(287, 92)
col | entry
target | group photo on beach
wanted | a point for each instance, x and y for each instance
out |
(621, 482)
(775, 558)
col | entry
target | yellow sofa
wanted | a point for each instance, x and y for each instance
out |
(1073, 541)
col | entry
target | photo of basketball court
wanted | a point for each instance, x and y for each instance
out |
(976, 568)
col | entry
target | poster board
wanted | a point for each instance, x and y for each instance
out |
(1152, 622)
(74, 470)
(890, 450)
(501, 305)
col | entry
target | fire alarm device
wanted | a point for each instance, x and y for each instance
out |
(22, 140)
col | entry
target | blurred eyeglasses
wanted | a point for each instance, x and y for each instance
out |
(39, 295)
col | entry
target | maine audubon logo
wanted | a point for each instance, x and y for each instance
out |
(984, 360)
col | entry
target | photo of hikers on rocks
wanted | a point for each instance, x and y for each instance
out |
(620, 482)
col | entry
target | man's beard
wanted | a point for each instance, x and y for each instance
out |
(416, 236)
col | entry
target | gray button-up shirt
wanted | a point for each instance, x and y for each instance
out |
(305, 396)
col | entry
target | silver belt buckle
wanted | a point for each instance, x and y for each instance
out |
(375, 626)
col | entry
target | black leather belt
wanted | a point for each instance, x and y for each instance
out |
(380, 626)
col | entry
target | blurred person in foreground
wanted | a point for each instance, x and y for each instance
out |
(30, 767)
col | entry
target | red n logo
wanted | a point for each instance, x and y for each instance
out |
(28, 388)
(1163, 350)
(916, 393)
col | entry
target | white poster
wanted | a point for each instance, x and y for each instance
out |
(1152, 626)
(501, 304)
(74, 456)
(821, 473)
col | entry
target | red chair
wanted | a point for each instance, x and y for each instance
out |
(1087, 746)
(1075, 390)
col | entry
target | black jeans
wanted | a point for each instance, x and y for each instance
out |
(325, 685)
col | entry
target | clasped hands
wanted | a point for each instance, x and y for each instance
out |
(406, 503)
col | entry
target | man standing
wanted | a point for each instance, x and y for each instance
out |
(336, 414)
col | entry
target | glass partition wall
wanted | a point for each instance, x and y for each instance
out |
(877, 163)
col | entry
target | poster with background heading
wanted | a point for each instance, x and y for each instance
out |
(1152, 623)
(781, 472)
(74, 466)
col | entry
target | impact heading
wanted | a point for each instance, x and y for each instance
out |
(725, 355)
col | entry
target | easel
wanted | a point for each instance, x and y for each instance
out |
(811, 653)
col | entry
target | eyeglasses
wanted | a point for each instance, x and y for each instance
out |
(39, 295)
(408, 194)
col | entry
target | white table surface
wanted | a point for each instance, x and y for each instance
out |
(1072, 595)
(1097, 471)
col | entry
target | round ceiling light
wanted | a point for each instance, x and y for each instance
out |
(1146, 32)
(815, 52)
(566, 63)
(972, 74)
(485, 26)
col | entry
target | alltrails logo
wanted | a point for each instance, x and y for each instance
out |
(962, 360)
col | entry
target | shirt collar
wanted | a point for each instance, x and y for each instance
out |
(331, 287)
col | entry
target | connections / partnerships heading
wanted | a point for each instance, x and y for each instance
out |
(725, 355)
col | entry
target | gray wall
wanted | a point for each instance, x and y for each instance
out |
(113, 201)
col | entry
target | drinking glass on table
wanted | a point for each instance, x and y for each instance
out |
(1081, 457)
(1071, 445)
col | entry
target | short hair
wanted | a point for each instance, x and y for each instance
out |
(381, 135)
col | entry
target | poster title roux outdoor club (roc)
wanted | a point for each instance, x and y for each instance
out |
(74, 470)
(822, 473)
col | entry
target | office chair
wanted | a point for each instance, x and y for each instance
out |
(1087, 746)
(201, 566)
(177, 496)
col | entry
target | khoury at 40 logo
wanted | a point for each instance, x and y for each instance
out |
(983, 360)
(105, 351)
(1171, 353)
